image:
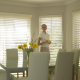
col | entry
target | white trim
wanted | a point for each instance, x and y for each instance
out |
(51, 4)
(18, 3)
(46, 16)
(37, 4)
(76, 12)
(15, 15)
(70, 1)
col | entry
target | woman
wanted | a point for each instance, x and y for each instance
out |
(43, 39)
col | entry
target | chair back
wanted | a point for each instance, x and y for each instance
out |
(62, 50)
(11, 57)
(24, 58)
(38, 65)
(64, 66)
(76, 60)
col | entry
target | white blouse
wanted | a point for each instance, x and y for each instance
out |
(44, 37)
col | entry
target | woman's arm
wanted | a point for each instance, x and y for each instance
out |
(39, 43)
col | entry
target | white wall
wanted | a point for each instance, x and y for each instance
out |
(69, 9)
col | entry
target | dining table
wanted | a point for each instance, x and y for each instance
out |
(17, 69)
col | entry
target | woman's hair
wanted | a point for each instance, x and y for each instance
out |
(43, 25)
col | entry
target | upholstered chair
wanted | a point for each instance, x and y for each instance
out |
(76, 61)
(51, 71)
(64, 67)
(38, 66)
(11, 61)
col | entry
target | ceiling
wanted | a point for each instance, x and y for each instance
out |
(37, 3)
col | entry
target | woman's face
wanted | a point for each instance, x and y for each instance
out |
(44, 27)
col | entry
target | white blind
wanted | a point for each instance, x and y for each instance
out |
(76, 31)
(54, 29)
(14, 30)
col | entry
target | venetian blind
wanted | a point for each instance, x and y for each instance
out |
(14, 30)
(54, 29)
(76, 30)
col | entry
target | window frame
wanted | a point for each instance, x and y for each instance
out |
(44, 16)
(19, 16)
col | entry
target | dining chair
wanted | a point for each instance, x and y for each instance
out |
(53, 69)
(12, 58)
(64, 67)
(38, 66)
(76, 61)
(9, 63)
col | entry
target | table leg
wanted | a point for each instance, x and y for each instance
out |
(23, 73)
(8, 75)
(26, 73)
(73, 72)
(17, 75)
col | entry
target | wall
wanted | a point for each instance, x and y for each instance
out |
(69, 9)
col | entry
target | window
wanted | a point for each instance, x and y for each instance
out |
(14, 30)
(76, 31)
(54, 29)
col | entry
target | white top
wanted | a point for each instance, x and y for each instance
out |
(44, 37)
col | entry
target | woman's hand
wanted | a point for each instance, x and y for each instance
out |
(49, 42)
(45, 42)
